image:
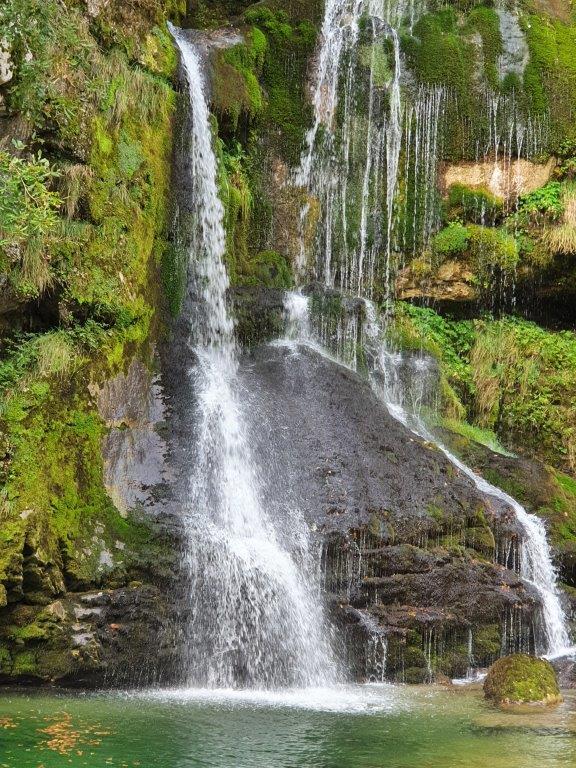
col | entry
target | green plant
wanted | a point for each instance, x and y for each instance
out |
(546, 201)
(28, 206)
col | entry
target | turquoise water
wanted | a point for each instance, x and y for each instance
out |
(352, 727)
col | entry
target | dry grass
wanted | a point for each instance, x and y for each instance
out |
(73, 182)
(561, 238)
(56, 355)
(35, 268)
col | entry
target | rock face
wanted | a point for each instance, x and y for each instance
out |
(6, 68)
(522, 679)
(108, 637)
(504, 179)
(131, 405)
(408, 543)
(453, 281)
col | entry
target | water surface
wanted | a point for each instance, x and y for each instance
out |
(350, 727)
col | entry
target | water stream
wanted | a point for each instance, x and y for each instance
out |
(351, 264)
(256, 618)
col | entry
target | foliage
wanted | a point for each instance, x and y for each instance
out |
(510, 375)
(543, 202)
(28, 208)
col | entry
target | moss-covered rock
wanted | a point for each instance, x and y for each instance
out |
(522, 679)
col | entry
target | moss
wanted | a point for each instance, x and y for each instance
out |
(269, 269)
(486, 23)
(236, 71)
(550, 76)
(104, 254)
(487, 642)
(290, 42)
(438, 54)
(24, 664)
(451, 240)
(521, 679)
(472, 204)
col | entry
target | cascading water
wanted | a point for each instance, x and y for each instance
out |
(536, 564)
(535, 561)
(256, 619)
(353, 154)
(354, 145)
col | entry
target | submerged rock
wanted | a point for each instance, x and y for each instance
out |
(522, 679)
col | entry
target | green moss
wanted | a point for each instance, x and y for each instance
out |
(485, 21)
(104, 253)
(491, 247)
(521, 679)
(236, 71)
(24, 664)
(451, 241)
(550, 77)
(472, 204)
(269, 269)
(438, 54)
(487, 643)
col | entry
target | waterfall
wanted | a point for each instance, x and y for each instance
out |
(536, 566)
(354, 146)
(353, 153)
(535, 559)
(256, 619)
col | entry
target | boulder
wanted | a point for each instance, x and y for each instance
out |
(522, 679)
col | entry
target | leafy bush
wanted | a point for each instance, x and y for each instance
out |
(28, 207)
(546, 201)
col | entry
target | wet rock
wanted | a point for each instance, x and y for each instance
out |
(132, 406)
(504, 180)
(522, 679)
(408, 541)
(6, 65)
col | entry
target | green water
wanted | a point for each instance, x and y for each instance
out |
(360, 727)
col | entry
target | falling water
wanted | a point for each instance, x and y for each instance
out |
(351, 168)
(422, 148)
(535, 560)
(536, 565)
(255, 618)
(353, 148)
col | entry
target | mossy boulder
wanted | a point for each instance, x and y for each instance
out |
(522, 679)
